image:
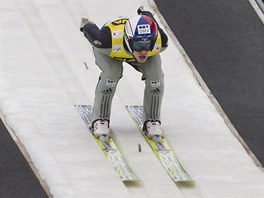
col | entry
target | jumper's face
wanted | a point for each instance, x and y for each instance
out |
(141, 48)
(141, 56)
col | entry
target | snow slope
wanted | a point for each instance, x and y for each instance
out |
(47, 66)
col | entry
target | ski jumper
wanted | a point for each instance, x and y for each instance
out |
(110, 52)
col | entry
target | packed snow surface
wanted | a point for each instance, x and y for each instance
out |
(47, 66)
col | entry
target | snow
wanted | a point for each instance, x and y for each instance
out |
(43, 74)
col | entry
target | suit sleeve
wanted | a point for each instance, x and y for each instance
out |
(99, 38)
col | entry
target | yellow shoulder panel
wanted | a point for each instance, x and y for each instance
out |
(118, 52)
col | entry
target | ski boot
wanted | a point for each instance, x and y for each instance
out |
(153, 131)
(101, 130)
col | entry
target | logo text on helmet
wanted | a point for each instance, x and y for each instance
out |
(144, 29)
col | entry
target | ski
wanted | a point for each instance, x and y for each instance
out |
(162, 150)
(109, 148)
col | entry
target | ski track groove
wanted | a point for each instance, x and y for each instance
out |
(52, 51)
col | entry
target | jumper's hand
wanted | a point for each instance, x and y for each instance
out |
(140, 10)
(84, 21)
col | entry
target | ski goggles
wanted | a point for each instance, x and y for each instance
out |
(141, 45)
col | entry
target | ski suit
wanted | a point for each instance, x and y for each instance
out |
(110, 52)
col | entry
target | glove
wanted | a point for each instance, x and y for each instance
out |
(140, 10)
(84, 21)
